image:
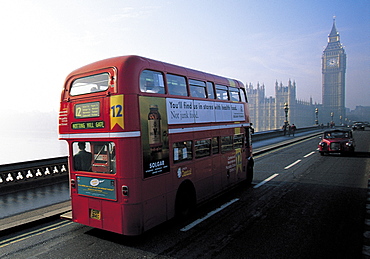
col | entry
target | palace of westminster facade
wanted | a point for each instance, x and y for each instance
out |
(270, 113)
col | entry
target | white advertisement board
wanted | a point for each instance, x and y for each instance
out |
(182, 111)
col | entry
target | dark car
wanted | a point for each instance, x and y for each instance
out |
(358, 126)
(337, 141)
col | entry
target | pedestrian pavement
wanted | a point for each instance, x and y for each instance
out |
(8, 224)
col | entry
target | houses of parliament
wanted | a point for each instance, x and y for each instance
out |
(270, 113)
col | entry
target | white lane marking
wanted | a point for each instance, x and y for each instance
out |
(313, 152)
(265, 181)
(293, 164)
(193, 224)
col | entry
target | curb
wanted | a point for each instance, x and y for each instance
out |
(261, 150)
(9, 224)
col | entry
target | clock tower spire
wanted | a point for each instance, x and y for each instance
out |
(334, 35)
(333, 79)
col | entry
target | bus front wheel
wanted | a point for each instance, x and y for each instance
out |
(250, 171)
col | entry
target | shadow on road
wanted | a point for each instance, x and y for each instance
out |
(351, 154)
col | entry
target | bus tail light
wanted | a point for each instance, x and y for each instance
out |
(125, 190)
(73, 184)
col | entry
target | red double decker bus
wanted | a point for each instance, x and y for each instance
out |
(149, 140)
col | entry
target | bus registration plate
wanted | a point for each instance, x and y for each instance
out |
(95, 214)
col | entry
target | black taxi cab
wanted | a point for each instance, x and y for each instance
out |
(336, 141)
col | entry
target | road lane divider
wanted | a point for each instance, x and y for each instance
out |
(210, 214)
(309, 154)
(293, 164)
(265, 181)
(299, 160)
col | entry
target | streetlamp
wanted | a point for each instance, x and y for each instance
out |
(286, 109)
(317, 116)
(332, 121)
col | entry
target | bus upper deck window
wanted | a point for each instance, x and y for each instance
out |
(177, 85)
(234, 94)
(90, 84)
(210, 91)
(197, 88)
(242, 95)
(222, 92)
(151, 82)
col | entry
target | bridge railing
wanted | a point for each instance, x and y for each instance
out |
(262, 135)
(33, 173)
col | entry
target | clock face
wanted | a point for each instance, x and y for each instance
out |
(332, 62)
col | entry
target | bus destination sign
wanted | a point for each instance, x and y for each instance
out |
(87, 110)
(88, 125)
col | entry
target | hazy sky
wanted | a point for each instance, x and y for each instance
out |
(250, 40)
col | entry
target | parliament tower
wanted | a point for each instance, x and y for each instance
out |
(333, 80)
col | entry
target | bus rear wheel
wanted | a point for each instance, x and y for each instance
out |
(185, 201)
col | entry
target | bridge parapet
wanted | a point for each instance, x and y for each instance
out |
(33, 173)
(262, 135)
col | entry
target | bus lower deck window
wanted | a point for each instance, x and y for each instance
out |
(202, 148)
(98, 157)
(215, 145)
(238, 141)
(182, 151)
(226, 144)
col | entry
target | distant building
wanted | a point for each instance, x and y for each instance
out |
(360, 113)
(268, 113)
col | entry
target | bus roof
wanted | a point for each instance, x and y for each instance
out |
(137, 64)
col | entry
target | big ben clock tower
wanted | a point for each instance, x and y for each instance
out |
(333, 79)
